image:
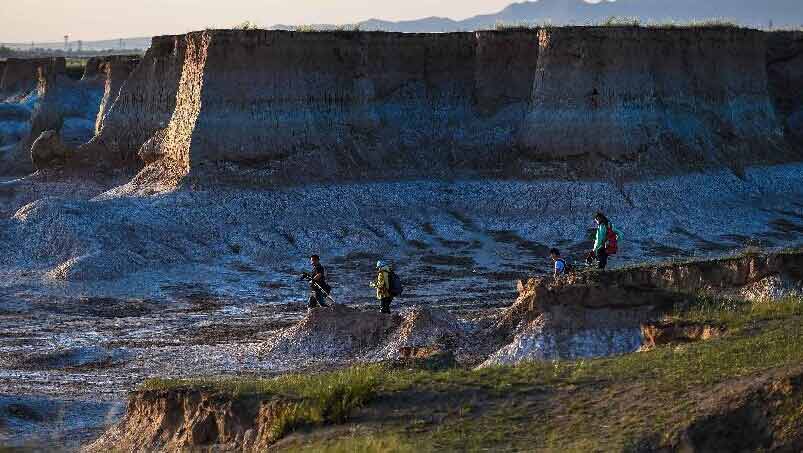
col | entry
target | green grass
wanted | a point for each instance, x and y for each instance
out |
(736, 314)
(694, 364)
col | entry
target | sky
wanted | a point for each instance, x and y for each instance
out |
(50, 20)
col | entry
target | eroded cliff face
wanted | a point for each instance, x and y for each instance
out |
(113, 72)
(28, 106)
(267, 107)
(651, 100)
(21, 75)
(653, 287)
(183, 420)
(41, 98)
(785, 69)
(144, 106)
(593, 314)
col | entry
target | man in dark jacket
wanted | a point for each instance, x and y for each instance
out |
(317, 283)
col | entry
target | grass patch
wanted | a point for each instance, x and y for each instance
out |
(738, 314)
(693, 364)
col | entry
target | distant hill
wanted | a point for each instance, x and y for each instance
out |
(752, 13)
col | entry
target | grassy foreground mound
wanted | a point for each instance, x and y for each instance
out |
(739, 391)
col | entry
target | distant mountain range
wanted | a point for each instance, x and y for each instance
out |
(751, 13)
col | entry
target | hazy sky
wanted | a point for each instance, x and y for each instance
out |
(49, 20)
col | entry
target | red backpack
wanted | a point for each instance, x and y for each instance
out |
(611, 245)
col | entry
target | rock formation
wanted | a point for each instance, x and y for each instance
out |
(657, 287)
(592, 314)
(334, 334)
(785, 69)
(48, 150)
(24, 88)
(340, 334)
(21, 75)
(269, 107)
(143, 107)
(183, 420)
(670, 332)
(113, 71)
(42, 98)
(651, 100)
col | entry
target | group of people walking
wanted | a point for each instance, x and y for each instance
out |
(606, 243)
(388, 285)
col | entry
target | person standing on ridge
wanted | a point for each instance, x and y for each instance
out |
(382, 284)
(605, 241)
(317, 283)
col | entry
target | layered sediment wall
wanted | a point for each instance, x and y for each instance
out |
(114, 71)
(591, 314)
(191, 419)
(785, 70)
(41, 97)
(21, 75)
(271, 106)
(657, 287)
(142, 107)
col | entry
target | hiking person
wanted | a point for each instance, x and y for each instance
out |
(561, 266)
(605, 241)
(317, 283)
(387, 285)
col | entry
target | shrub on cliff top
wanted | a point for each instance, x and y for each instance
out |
(617, 21)
(519, 26)
(344, 28)
(247, 25)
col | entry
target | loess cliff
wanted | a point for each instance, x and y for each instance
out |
(785, 70)
(268, 107)
(37, 97)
